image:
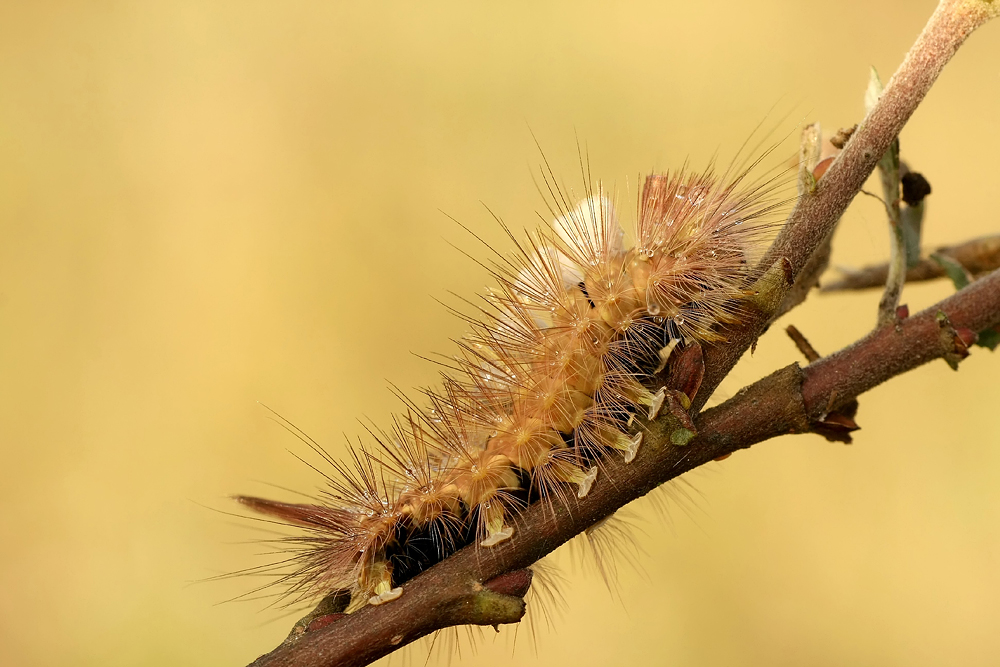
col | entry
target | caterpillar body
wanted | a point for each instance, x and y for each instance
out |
(564, 352)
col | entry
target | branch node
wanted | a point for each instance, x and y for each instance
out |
(676, 422)
(485, 607)
(953, 344)
(767, 293)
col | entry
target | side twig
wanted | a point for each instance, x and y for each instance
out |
(978, 256)
(888, 169)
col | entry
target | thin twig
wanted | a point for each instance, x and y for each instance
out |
(888, 170)
(978, 256)
(805, 347)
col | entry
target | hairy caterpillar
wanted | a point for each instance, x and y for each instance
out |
(567, 348)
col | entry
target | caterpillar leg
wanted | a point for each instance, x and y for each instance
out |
(656, 403)
(376, 577)
(633, 447)
(501, 535)
(496, 530)
(565, 471)
(626, 445)
(387, 596)
(588, 481)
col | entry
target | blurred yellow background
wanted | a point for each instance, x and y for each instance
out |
(204, 205)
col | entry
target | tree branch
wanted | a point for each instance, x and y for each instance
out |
(791, 400)
(816, 213)
(978, 256)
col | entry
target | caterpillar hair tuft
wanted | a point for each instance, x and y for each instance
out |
(581, 333)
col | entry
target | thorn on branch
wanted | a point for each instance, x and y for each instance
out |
(807, 350)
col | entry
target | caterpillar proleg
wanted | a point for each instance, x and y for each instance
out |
(570, 345)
